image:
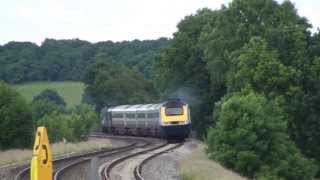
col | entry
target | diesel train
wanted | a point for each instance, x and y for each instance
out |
(170, 119)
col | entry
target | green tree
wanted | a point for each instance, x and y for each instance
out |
(57, 126)
(75, 126)
(15, 119)
(61, 60)
(112, 84)
(82, 121)
(19, 62)
(182, 71)
(50, 95)
(279, 24)
(42, 107)
(257, 67)
(251, 137)
(305, 113)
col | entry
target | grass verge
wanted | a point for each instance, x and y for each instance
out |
(197, 166)
(22, 155)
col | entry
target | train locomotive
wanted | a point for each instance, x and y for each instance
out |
(170, 119)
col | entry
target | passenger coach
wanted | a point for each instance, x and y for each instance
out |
(170, 119)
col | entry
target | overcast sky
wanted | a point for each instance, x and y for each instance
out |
(101, 20)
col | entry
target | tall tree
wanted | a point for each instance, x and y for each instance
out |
(112, 84)
(15, 119)
(251, 137)
(182, 71)
(50, 95)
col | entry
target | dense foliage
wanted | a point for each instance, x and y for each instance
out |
(251, 137)
(260, 46)
(18, 120)
(182, 71)
(15, 119)
(73, 126)
(112, 84)
(61, 60)
(50, 95)
(41, 108)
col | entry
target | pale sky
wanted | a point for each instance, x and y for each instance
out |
(101, 20)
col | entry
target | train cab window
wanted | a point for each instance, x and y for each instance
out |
(117, 115)
(130, 116)
(141, 115)
(149, 115)
(174, 111)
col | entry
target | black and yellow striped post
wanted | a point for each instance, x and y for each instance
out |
(41, 163)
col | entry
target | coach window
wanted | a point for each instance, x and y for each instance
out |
(130, 116)
(117, 115)
(150, 116)
(141, 115)
(156, 115)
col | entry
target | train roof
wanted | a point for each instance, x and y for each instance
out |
(136, 107)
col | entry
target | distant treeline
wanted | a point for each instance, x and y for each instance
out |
(60, 60)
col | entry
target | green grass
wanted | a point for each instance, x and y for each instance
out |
(70, 91)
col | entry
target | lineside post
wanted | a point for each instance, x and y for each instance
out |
(94, 169)
(41, 163)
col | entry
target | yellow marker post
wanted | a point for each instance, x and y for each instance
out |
(41, 163)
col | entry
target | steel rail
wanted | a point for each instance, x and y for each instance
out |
(25, 171)
(138, 169)
(105, 173)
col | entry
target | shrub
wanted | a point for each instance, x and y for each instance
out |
(42, 107)
(251, 137)
(82, 121)
(74, 127)
(50, 95)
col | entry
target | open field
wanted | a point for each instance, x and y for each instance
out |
(197, 166)
(70, 91)
(21, 155)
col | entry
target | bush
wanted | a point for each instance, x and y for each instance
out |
(50, 95)
(56, 124)
(42, 107)
(74, 127)
(16, 125)
(251, 137)
(83, 120)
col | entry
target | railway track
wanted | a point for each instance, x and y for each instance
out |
(76, 166)
(133, 169)
(62, 165)
(138, 169)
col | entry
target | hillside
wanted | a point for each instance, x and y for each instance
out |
(70, 91)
